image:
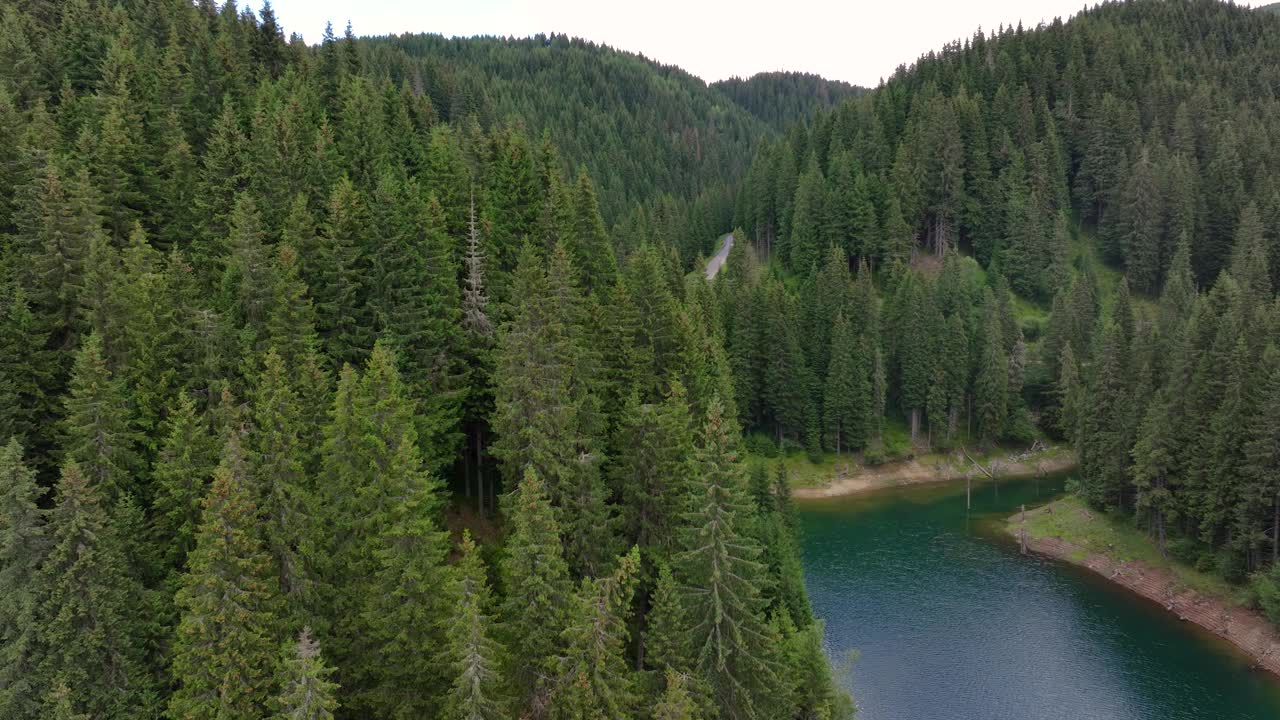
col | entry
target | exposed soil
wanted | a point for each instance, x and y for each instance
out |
(1246, 629)
(852, 479)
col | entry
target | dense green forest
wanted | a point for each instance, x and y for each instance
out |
(647, 133)
(371, 379)
(783, 98)
(1119, 170)
(323, 395)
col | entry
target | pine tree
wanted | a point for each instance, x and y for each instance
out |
(23, 546)
(476, 660)
(536, 577)
(85, 616)
(732, 643)
(306, 692)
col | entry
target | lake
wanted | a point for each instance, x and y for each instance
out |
(951, 623)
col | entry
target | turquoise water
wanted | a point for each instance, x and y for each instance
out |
(950, 622)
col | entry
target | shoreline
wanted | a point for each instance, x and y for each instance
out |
(913, 472)
(1244, 628)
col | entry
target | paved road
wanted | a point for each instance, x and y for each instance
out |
(717, 260)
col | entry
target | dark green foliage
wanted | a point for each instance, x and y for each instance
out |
(732, 644)
(476, 660)
(537, 583)
(783, 98)
(23, 545)
(86, 612)
(594, 678)
(225, 653)
(97, 428)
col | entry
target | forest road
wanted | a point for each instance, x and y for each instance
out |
(717, 260)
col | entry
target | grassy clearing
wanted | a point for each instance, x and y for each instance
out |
(1115, 537)
(804, 473)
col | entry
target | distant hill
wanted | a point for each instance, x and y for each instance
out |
(642, 129)
(781, 98)
(1272, 8)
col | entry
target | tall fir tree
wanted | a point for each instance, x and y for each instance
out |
(732, 642)
(86, 613)
(23, 546)
(306, 692)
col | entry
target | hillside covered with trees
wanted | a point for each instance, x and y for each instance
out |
(1117, 170)
(647, 133)
(785, 98)
(279, 328)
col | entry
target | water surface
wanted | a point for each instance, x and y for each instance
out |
(951, 623)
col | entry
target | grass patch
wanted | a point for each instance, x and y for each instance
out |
(1116, 537)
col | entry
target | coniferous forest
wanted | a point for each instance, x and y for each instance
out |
(328, 390)
(380, 378)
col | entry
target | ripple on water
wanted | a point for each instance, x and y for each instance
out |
(952, 623)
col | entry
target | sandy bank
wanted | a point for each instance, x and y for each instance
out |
(855, 479)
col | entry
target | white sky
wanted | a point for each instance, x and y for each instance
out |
(859, 41)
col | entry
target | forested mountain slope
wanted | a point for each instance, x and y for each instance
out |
(267, 315)
(1149, 130)
(784, 98)
(641, 128)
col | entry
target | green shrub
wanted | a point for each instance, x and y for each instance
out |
(1184, 550)
(1266, 591)
(1230, 565)
(760, 444)
(874, 454)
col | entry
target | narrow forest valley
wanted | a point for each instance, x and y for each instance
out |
(422, 377)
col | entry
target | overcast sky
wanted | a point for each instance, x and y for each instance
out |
(852, 40)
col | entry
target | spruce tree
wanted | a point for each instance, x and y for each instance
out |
(86, 612)
(97, 429)
(592, 248)
(594, 679)
(187, 460)
(23, 546)
(306, 692)
(546, 411)
(536, 578)
(653, 448)
(991, 386)
(732, 642)
(226, 647)
(847, 398)
(25, 366)
(676, 702)
(667, 645)
(284, 499)
(475, 658)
